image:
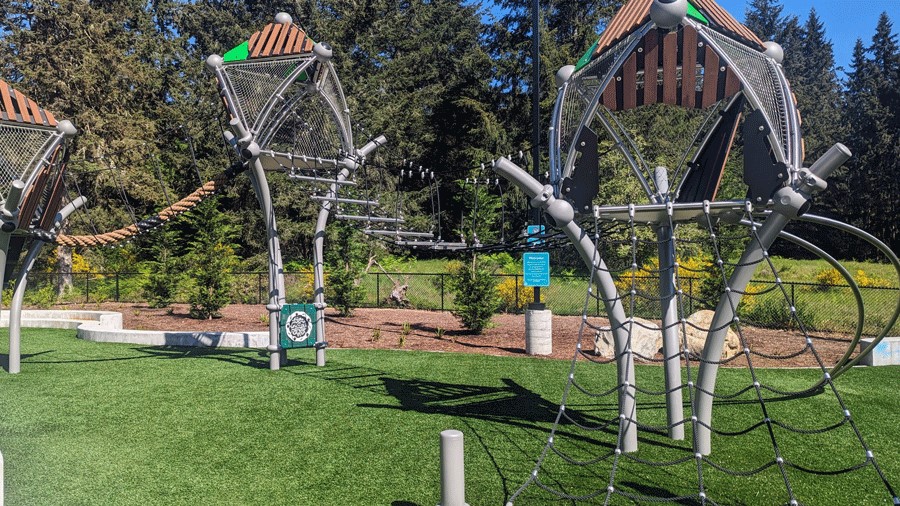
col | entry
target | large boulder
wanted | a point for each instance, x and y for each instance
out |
(646, 340)
(696, 338)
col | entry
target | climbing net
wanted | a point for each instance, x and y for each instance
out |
(759, 436)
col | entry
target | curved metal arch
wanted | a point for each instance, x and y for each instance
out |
(335, 103)
(788, 138)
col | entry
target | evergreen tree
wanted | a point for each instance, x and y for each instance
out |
(815, 83)
(764, 18)
(874, 117)
(211, 260)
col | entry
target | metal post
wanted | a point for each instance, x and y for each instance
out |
(442, 291)
(536, 112)
(790, 202)
(377, 289)
(671, 341)
(563, 215)
(117, 286)
(276, 272)
(87, 287)
(15, 307)
(453, 477)
(10, 215)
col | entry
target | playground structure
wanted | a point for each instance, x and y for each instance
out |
(287, 113)
(689, 54)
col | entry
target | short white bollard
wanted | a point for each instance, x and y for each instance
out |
(453, 476)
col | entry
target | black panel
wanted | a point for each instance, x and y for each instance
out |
(582, 188)
(705, 171)
(16, 244)
(763, 175)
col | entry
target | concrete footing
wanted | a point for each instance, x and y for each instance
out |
(538, 331)
(887, 352)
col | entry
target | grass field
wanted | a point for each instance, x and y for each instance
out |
(92, 423)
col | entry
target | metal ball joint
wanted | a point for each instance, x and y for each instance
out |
(668, 13)
(322, 51)
(563, 74)
(214, 61)
(283, 18)
(774, 51)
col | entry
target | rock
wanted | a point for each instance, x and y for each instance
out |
(646, 340)
(696, 338)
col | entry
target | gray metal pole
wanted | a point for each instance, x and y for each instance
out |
(9, 216)
(536, 111)
(669, 309)
(790, 202)
(319, 242)
(453, 477)
(721, 322)
(563, 216)
(276, 270)
(15, 308)
(671, 340)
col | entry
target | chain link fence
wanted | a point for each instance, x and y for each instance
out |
(818, 307)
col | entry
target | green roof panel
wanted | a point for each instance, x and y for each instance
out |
(586, 57)
(238, 53)
(696, 14)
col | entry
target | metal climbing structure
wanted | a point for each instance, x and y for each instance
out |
(288, 113)
(690, 54)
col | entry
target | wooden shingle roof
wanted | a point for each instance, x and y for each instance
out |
(636, 13)
(16, 107)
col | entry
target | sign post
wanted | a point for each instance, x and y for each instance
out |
(538, 319)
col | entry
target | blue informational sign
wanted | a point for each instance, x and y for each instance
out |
(536, 269)
(533, 232)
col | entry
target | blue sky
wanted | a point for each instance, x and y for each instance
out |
(845, 20)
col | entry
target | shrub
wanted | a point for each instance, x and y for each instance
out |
(514, 296)
(345, 256)
(864, 280)
(162, 282)
(474, 287)
(829, 277)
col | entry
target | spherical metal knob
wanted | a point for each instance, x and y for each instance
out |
(322, 51)
(563, 74)
(774, 51)
(214, 61)
(668, 13)
(283, 18)
(66, 128)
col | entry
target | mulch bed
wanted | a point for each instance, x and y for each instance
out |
(441, 332)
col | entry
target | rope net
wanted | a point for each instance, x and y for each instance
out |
(764, 449)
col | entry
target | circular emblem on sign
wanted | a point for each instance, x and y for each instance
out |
(298, 326)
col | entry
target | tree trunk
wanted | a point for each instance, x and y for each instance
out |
(64, 270)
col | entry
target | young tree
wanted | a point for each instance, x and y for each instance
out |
(475, 290)
(346, 256)
(211, 260)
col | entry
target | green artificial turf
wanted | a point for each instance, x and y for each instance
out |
(93, 423)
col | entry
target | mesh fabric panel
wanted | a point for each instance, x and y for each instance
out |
(761, 78)
(253, 83)
(20, 148)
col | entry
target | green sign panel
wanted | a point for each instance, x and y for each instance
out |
(536, 269)
(298, 326)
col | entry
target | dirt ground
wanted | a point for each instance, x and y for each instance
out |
(441, 332)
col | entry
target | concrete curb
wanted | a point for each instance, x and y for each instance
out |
(106, 327)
